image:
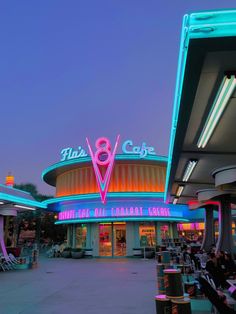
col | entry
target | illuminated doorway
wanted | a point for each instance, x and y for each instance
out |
(119, 239)
(112, 239)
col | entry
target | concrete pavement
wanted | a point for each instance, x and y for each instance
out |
(85, 286)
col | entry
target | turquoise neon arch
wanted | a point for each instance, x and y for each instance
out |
(96, 196)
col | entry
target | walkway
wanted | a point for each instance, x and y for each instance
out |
(86, 286)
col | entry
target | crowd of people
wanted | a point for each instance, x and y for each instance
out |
(220, 266)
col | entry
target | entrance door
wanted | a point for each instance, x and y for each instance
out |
(105, 239)
(112, 239)
(119, 239)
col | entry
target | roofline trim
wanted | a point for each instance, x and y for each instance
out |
(21, 200)
(94, 196)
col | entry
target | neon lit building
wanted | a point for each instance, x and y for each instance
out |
(113, 203)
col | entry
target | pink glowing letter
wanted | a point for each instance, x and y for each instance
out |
(103, 158)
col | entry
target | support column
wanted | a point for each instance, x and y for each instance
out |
(95, 239)
(88, 236)
(74, 235)
(158, 233)
(175, 230)
(225, 240)
(69, 235)
(170, 226)
(2, 244)
(208, 239)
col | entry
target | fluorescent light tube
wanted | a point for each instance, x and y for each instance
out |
(24, 207)
(179, 190)
(189, 169)
(225, 92)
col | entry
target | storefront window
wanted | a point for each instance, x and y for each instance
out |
(81, 233)
(192, 232)
(147, 234)
(165, 232)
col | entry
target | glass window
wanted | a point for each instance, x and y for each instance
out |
(147, 234)
(80, 236)
(165, 232)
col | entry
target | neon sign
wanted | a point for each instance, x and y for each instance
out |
(132, 211)
(142, 150)
(70, 153)
(103, 160)
(127, 148)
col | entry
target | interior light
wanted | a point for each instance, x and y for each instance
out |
(189, 169)
(224, 93)
(1, 203)
(175, 200)
(179, 190)
(24, 207)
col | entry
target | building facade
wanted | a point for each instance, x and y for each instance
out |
(113, 203)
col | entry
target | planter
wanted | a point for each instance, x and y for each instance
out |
(149, 252)
(77, 254)
(22, 266)
(66, 254)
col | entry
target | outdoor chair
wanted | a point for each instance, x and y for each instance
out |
(3, 266)
(13, 259)
(50, 252)
(7, 262)
(217, 300)
(188, 265)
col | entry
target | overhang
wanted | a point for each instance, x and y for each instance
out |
(207, 58)
(12, 199)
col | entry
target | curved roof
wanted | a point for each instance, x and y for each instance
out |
(50, 174)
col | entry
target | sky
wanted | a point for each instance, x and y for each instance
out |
(76, 69)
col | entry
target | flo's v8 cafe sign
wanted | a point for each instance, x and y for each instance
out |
(128, 147)
(103, 157)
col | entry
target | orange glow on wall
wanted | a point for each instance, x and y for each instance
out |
(125, 178)
(200, 226)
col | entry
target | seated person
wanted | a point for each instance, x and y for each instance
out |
(230, 267)
(215, 271)
(221, 260)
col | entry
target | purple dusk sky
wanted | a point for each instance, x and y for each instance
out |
(71, 69)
